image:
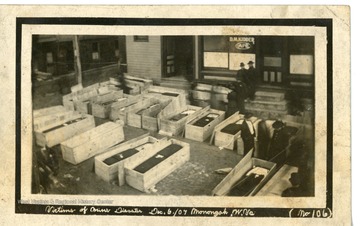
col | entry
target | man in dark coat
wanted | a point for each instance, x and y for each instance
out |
(250, 80)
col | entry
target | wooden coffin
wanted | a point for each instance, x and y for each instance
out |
(90, 143)
(48, 111)
(201, 127)
(64, 129)
(107, 163)
(240, 170)
(87, 92)
(48, 121)
(174, 124)
(101, 105)
(140, 83)
(227, 139)
(144, 171)
(150, 117)
(122, 103)
(134, 112)
(279, 182)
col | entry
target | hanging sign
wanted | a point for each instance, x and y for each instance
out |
(242, 43)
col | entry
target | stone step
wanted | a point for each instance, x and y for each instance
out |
(269, 96)
(268, 105)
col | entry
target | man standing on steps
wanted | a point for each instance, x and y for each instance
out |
(250, 80)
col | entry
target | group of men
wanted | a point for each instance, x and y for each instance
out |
(243, 89)
(248, 78)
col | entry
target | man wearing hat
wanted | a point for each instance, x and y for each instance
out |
(250, 79)
(240, 90)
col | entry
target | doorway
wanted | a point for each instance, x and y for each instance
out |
(178, 56)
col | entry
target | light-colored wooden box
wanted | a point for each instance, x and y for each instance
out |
(101, 105)
(68, 100)
(141, 83)
(173, 128)
(122, 103)
(144, 181)
(226, 140)
(112, 172)
(90, 143)
(48, 111)
(202, 133)
(245, 164)
(134, 118)
(44, 137)
(51, 120)
(151, 116)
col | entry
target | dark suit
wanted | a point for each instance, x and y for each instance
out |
(247, 137)
(250, 80)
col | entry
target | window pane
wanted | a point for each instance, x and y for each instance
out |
(216, 59)
(301, 64)
(237, 58)
(216, 44)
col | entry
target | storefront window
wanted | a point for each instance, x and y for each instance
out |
(227, 52)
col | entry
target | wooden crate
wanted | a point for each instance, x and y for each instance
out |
(201, 133)
(140, 83)
(48, 121)
(90, 143)
(245, 164)
(122, 103)
(134, 112)
(151, 116)
(176, 127)
(101, 105)
(68, 100)
(111, 172)
(226, 140)
(48, 111)
(144, 181)
(62, 130)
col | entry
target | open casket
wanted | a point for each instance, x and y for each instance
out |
(107, 163)
(122, 103)
(83, 94)
(201, 127)
(246, 178)
(63, 128)
(144, 171)
(227, 132)
(174, 123)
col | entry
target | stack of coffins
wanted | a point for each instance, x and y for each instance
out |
(107, 164)
(246, 178)
(101, 104)
(204, 94)
(92, 142)
(136, 84)
(174, 123)
(58, 127)
(107, 86)
(201, 127)
(144, 171)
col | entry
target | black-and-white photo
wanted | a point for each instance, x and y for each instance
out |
(182, 115)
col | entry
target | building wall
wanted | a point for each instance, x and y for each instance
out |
(144, 58)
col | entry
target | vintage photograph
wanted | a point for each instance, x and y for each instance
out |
(200, 115)
(206, 117)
